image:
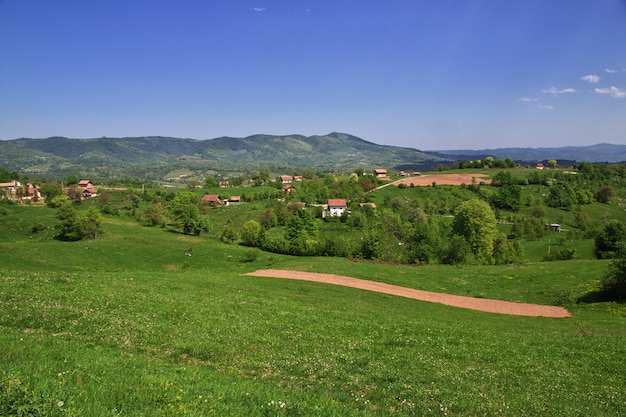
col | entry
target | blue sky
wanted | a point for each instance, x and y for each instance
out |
(444, 74)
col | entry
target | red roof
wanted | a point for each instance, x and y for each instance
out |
(235, 199)
(211, 198)
(337, 202)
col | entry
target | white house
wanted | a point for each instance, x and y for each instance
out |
(337, 206)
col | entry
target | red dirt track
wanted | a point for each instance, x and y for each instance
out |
(444, 179)
(479, 304)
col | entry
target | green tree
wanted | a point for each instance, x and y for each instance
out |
(74, 225)
(71, 180)
(154, 215)
(614, 282)
(610, 240)
(476, 222)
(605, 194)
(186, 214)
(210, 182)
(253, 234)
(50, 191)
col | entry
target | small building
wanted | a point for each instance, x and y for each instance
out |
(540, 166)
(555, 227)
(224, 184)
(288, 188)
(234, 199)
(212, 200)
(380, 172)
(89, 193)
(85, 184)
(297, 178)
(337, 206)
(286, 179)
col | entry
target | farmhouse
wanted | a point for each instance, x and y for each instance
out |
(380, 172)
(10, 187)
(288, 188)
(212, 200)
(337, 206)
(89, 193)
(286, 179)
(85, 184)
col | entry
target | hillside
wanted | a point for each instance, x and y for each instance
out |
(140, 156)
(603, 152)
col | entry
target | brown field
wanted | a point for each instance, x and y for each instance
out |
(479, 304)
(444, 179)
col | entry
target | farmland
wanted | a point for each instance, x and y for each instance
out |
(148, 321)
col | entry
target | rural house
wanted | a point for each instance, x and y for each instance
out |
(85, 184)
(288, 188)
(286, 179)
(380, 173)
(212, 200)
(337, 206)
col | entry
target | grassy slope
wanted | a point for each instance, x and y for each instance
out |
(132, 325)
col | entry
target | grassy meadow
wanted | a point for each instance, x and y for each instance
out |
(143, 322)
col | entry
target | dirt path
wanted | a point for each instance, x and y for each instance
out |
(480, 304)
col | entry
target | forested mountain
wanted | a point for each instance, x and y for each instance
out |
(139, 156)
(151, 157)
(603, 152)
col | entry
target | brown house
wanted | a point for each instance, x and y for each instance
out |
(212, 200)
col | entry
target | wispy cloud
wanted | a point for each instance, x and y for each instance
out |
(613, 92)
(545, 107)
(258, 9)
(527, 99)
(610, 70)
(554, 90)
(591, 78)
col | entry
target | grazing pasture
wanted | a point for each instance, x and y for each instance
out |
(142, 322)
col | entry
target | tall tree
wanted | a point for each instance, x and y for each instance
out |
(475, 221)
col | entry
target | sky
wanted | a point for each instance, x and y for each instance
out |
(424, 74)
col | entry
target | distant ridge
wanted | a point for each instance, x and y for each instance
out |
(146, 156)
(602, 152)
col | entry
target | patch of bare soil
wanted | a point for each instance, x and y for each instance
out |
(444, 179)
(480, 304)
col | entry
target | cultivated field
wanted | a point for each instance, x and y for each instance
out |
(445, 179)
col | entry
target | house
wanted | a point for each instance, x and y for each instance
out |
(234, 199)
(380, 173)
(539, 166)
(212, 200)
(337, 206)
(297, 178)
(10, 188)
(224, 184)
(85, 184)
(555, 227)
(416, 174)
(286, 179)
(32, 191)
(89, 193)
(288, 188)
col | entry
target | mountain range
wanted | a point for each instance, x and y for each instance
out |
(150, 157)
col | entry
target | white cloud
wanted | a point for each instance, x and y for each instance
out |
(610, 70)
(545, 107)
(258, 9)
(527, 99)
(554, 90)
(591, 78)
(613, 92)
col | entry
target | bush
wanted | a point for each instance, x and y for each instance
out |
(614, 282)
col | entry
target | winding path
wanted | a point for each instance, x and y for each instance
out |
(480, 304)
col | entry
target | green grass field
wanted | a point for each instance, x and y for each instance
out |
(142, 322)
